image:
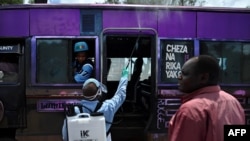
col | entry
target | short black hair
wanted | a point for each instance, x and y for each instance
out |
(210, 65)
(90, 89)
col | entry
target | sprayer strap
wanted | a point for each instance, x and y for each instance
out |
(98, 106)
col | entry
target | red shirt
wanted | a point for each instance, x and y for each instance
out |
(203, 114)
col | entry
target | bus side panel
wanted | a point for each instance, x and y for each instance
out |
(223, 25)
(122, 18)
(12, 25)
(59, 22)
(181, 24)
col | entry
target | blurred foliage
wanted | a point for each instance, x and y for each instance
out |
(11, 1)
(149, 2)
(163, 2)
(113, 1)
(183, 2)
(39, 1)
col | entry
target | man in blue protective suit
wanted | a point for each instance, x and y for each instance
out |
(83, 66)
(92, 93)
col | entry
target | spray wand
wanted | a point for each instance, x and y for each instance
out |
(135, 48)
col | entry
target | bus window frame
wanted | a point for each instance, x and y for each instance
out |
(33, 62)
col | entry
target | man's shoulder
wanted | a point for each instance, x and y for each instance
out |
(195, 104)
(225, 96)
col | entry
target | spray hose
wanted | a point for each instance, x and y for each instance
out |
(134, 48)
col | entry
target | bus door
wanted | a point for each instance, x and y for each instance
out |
(135, 49)
(12, 92)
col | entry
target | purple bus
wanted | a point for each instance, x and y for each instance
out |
(36, 55)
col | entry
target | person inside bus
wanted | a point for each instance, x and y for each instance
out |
(93, 93)
(83, 66)
(205, 107)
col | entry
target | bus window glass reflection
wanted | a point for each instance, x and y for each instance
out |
(118, 63)
(52, 61)
(233, 59)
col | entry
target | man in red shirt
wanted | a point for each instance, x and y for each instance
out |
(205, 107)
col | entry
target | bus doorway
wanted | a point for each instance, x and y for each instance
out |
(134, 49)
(12, 92)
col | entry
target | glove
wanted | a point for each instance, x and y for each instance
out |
(125, 72)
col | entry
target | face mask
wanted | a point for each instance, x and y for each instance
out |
(101, 88)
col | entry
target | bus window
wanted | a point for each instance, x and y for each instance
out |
(118, 64)
(9, 63)
(122, 51)
(233, 59)
(133, 52)
(8, 68)
(52, 61)
(55, 59)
